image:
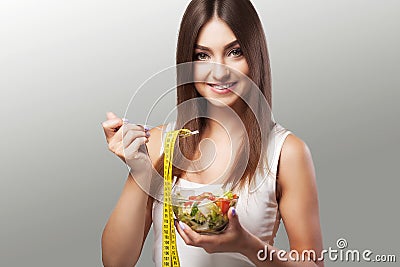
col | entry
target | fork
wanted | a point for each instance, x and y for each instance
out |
(148, 127)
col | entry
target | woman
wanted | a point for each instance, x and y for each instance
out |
(228, 35)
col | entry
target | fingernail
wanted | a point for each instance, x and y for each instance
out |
(147, 134)
(125, 120)
(182, 225)
(233, 212)
(146, 128)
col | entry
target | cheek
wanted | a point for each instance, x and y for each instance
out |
(242, 67)
(200, 87)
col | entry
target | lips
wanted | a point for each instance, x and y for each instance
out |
(222, 86)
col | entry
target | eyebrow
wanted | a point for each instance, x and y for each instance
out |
(233, 43)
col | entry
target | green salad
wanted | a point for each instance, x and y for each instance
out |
(204, 213)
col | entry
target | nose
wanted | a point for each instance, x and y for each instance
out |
(220, 72)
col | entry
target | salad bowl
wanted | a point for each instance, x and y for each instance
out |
(206, 212)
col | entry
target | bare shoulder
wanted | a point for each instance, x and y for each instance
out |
(295, 163)
(294, 148)
(155, 142)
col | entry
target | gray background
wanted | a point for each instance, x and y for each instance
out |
(63, 64)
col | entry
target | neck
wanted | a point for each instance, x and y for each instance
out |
(224, 121)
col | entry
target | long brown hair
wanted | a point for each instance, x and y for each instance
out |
(242, 18)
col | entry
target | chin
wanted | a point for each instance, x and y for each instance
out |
(221, 103)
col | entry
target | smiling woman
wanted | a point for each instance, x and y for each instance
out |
(225, 43)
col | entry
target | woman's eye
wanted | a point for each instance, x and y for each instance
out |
(237, 52)
(201, 56)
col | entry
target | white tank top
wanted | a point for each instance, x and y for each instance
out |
(257, 209)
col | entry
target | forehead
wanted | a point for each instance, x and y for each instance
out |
(215, 34)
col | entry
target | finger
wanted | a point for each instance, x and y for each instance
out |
(132, 127)
(131, 136)
(118, 143)
(181, 227)
(110, 115)
(132, 150)
(115, 142)
(194, 238)
(233, 218)
(111, 126)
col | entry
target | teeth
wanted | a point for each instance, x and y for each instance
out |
(222, 87)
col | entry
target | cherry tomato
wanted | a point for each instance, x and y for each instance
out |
(223, 204)
(189, 203)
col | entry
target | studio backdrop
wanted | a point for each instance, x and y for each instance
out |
(64, 64)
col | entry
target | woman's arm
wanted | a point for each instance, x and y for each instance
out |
(127, 228)
(298, 207)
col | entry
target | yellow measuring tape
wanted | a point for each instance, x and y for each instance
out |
(169, 249)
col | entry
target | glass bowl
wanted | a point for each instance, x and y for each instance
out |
(206, 212)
